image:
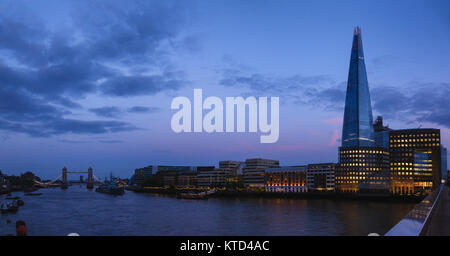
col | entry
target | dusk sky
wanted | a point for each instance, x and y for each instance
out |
(90, 83)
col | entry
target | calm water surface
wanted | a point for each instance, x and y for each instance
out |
(60, 212)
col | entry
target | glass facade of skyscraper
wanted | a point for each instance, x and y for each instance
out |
(363, 168)
(358, 127)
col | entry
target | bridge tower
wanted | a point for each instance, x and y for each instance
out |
(90, 179)
(64, 175)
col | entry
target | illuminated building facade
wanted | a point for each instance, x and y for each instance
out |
(213, 177)
(415, 161)
(363, 167)
(363, 170)
(291, 179)
(234, 179)
(321, 177)
(254, 170)
(167, 176)
(187, 179)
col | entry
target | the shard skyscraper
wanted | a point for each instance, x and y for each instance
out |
(358, 120)
(363, 168)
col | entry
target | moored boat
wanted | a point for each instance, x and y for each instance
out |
(33, 194)
(196, 196)
(111, 187)
(9, 206)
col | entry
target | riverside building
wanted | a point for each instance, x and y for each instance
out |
(415, 161)
(321, 177)
(167, 176)
(254, 172)
(142, 174)
(290, 179)
(213, 177)
(234, 179)
(187, 179)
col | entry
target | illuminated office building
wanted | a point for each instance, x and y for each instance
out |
(415, 161)
(363, 170)
(254, 172)
(363, 167)
(236, 165)
(213, 177)
(321, 177)
(234, 178)
(187, 179)
(167, 176)
(290, 179)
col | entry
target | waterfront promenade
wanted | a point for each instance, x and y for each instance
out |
(440, 223)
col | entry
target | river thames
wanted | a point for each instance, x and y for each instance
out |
(60, 212)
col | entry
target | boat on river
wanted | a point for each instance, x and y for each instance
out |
(33, 194)
(191, 195)
(111, 187)
(9, 206)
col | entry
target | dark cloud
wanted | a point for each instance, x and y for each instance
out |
(20, 105)
(62, 125)
(110, 141)
(57, 126)
(71, 62)
(115, 112)
(90, 141)
(390, 102)
(142, 109)
(272, 84)
(106, 111)
(137, 85)
(330, 98)
(415, 103)
(66, 102)
(135, 29)
(105, 47)
(74, 141)
(317, 90)
(24, 112)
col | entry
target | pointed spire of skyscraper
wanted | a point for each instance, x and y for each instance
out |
(357, 129)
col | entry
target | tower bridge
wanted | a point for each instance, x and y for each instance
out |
(64, 181)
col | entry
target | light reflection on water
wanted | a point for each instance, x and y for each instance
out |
(60, 212)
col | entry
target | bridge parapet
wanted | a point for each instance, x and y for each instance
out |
(419, 219)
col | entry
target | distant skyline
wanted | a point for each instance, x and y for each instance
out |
(89, 83)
